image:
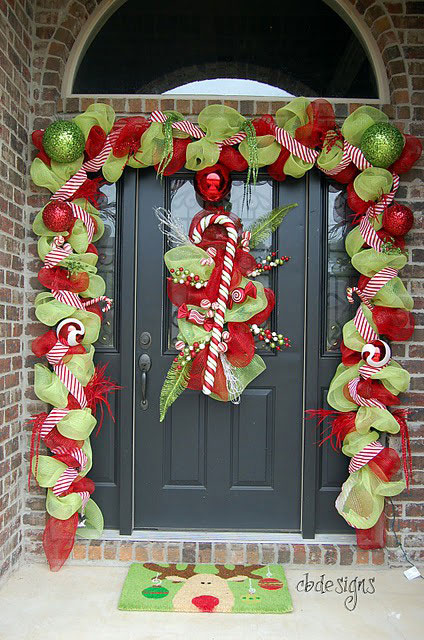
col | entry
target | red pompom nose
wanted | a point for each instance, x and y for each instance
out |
(206, 604)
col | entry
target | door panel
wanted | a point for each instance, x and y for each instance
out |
(215, 465)
(210, 464)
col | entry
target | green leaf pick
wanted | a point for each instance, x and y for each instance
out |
(175, 383)
(267, 224)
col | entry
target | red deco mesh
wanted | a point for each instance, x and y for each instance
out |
(373, 538)
(374, 389)
(264, 125)
(55, 439)
(37, 139)
(395, 324)
(349, 356)
(232, 159)
(385, 464)
(276, 169)
(410, 154)
(347, 175)
(58, 540)
(61, 279)
(42, 345)
(356, 203)
(95, 142)
(321, 119)
(178, 156)
(130, 132)
(241, 345)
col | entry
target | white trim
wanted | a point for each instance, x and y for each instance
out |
(343, 8)
(240, 537)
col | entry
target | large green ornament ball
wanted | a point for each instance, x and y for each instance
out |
(63, 141)
(382, 144)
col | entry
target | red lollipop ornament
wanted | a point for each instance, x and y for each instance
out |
(58, 216)
(213, 183)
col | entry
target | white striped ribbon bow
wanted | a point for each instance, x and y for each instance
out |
(368, 453)
(366, 294)
(70, 473)
(359, 400)
(51, 421)
(368, 232)
(55, 357)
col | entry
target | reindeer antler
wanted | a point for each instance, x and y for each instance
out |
(170, 570)
(239, 570)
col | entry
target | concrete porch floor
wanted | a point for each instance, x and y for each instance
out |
(80, 602)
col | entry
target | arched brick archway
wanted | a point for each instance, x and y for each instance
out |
(62, 39)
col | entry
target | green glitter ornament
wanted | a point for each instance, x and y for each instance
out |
(63, 141)
(382, 144)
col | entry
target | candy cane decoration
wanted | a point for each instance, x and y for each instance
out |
(223, 292)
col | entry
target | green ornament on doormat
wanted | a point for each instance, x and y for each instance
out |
(63, 141)
(155, 592)
(382, 144)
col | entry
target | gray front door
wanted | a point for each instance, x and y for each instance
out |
(213, 465)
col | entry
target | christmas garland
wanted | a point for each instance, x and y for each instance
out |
(367, 153)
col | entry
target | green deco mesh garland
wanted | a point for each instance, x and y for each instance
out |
(374, 245)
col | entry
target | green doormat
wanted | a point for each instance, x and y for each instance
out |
(206, 588)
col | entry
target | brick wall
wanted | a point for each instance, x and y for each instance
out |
(56, 24)
(16, 23)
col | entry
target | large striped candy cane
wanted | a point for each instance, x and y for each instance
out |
(223, 292)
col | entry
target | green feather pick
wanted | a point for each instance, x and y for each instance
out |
(264, 226)
(175, 383)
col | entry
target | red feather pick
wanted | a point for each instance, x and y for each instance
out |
(400, 416)
(37, 422)
(341, 425)
(97, 392)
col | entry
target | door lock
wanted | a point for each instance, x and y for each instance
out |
(145, 339)
(144, 363)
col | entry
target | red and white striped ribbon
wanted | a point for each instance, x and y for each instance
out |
(67, 190)
(86, 218)
(73, 300)
(365, 227)
(223, 292)
(294, 146)
(364, 456)
(60, 250)
(182, 125)
(70, 473)
(51, 421)
(356, 155)
(85, 497)
(366, 294)
(54, 357)
(56, 353)
(72, 383)
(343, 164)
(359, 400)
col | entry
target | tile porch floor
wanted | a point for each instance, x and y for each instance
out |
(80, 603)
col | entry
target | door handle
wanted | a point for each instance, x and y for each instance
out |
(144, 363)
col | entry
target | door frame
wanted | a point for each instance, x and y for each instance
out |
(315, 253)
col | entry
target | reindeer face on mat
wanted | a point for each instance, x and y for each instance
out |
(204, 592)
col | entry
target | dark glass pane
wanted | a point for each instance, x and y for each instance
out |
(106, 265)
(304, 48)
(340, 273)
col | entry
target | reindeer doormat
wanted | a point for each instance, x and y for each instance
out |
(206, 588)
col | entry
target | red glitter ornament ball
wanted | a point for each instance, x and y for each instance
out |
(213, 183)
(398, 219)
(58, 216)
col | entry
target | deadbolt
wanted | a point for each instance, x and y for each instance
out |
(145, 339)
